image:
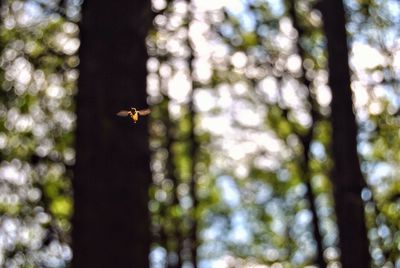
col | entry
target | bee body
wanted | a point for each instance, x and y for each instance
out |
(134, 116)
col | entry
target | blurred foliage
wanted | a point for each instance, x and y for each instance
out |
(38, 80)
(260, 88)
(376, 26)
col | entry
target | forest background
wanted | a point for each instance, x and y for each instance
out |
(273, 139)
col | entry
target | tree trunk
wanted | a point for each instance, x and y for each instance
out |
(307, 138)
(194, 146)
(193, 154)
(347, 178)
(112, 175)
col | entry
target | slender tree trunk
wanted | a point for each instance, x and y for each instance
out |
(307, 138)
(111, 221)
(193, 185)
(346, 175)
(194, 147)
(193, 154)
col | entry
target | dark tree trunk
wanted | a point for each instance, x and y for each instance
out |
(347, 178)
(112, 175)
(193, 183)
(193, 154)
(307, 138)
(193, 150)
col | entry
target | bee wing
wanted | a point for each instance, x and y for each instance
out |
(144, 111)
(123, 113)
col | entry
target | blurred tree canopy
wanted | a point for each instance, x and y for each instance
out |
(241, 132)
(38, 81)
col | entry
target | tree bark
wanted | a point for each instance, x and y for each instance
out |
(347, 178)
(112, 174)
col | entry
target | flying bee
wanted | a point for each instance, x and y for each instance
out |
(134, 114)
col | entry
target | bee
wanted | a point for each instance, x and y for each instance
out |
(134, 114)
